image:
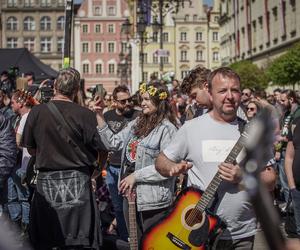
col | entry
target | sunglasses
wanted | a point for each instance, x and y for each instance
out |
(251, 109)
(246, 94)
(123, 102)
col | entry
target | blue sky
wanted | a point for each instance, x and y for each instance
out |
(209, 2)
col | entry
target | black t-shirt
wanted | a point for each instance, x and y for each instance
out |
(294, 136)
(53, 152)
(116, 123)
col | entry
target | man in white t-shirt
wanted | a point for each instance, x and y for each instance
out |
(18, 194)
(201, 145)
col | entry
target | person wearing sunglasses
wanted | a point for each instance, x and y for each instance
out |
(117, 119)
(252, 109)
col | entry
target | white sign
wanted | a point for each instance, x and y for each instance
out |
(162, 52)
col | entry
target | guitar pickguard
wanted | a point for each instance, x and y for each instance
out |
(199, 236)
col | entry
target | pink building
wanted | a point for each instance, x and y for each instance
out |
(99, 43)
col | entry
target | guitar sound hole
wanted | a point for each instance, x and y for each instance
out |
(193, 217)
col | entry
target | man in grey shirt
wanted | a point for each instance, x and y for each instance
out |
(202, 145)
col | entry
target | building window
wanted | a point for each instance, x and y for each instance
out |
(111, 10)
(60, 44)
(85, 47)
(29, 23)
(60, 23)
(155, 58)
(98, 47)
(12, 3)
(144, 58)
(183, 55)
(215, 56)
(124, 47)
(111, 47)
(198, 36)
(184, 73)
(215, 36)
(145, 76)
(111, 28)
(216, 19)
(61, 3)
(99, 68)
(28, 3)
(195, 17)
(12, 42)
(165, 37)
(97, 11)
(275, 14)
(85, 68)
(165, 59)
(85, 28)
(199, 55)
(45, 23)
(45, 3)
(183, 36)
(98, 28)
(155, 36)
(187, 18)
(12, 23)
(29, 43)
(45, 44)
(111, 68)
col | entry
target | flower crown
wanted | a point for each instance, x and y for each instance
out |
(152, 91)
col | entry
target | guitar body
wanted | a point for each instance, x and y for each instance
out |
(183, 227)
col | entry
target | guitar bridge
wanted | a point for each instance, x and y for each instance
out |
(178, 242)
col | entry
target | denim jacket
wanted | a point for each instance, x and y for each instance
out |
(153, 190)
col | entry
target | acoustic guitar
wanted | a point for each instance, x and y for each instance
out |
(190, 225)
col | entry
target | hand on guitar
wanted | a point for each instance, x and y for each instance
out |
(229, 172)
(127, 184)
(180, 168)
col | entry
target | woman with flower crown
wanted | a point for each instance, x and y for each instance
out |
(141, 141)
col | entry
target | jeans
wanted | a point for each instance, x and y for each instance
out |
(18, 199)
(282, 177)
(117, 200)
(296, 205)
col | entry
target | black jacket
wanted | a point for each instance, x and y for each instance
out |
(8, 149)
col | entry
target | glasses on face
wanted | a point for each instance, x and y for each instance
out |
(123, 102)
(246, 94)
(107, 100)
(250, 109)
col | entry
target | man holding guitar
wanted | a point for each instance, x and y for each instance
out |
(202, 145)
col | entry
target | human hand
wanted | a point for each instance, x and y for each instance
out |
(98, 105)
(127, 184)
(229, 172)
(180, 168)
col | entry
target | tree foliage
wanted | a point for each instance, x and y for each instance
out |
(285, 70)
(251, 76)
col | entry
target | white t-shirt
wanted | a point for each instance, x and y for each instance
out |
(25, 155)
(206, 143)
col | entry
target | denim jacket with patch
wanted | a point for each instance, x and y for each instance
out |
(153, 190)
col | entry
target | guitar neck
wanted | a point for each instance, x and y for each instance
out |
(213, 186)
(133, 241)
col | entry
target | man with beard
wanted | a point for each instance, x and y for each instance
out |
(117, 119)
(291, 109)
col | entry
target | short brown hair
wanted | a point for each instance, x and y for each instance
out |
(223, 71)
(120, 88)
(197, 77)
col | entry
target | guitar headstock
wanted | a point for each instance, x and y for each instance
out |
(24, 97)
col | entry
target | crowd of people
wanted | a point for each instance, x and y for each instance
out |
(69, 164)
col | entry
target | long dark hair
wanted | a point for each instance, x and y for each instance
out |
(146, 123)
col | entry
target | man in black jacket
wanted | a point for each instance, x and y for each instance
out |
(8, 155)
